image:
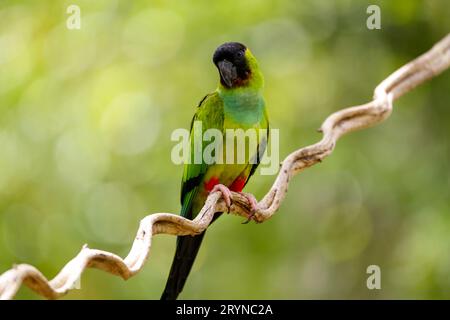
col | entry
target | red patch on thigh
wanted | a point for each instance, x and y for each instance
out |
(209, 185)
(238, 184)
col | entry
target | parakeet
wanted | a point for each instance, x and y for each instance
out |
(237, 103)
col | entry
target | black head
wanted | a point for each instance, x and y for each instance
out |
(230, 59)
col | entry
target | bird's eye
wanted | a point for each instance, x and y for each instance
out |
(240, 54)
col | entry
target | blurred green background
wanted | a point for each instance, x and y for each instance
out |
(85, 123)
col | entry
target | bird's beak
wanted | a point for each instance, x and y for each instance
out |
(228, 72)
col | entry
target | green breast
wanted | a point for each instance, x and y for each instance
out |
(243, 106)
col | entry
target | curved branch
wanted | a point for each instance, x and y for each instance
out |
(428, 65)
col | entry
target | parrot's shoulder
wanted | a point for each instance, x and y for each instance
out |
(203, 99)
(211, 111)
(211, 100)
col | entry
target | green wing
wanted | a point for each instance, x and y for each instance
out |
(261, 148)
(210, 113)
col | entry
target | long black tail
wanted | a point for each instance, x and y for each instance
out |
(187, 249)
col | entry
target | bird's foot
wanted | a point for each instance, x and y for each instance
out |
(253, 206)
(226, 193)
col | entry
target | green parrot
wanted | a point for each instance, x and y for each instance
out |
(237, 103)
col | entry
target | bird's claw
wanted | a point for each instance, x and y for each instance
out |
(253, 206)
(226, 193)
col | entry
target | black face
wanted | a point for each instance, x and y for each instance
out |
(230, 59)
